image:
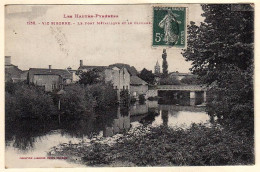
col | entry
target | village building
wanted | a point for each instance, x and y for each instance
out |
(12, 72)
(178, 76)
(50, 79)
(137, 86)
(75, 76)
(119, 77)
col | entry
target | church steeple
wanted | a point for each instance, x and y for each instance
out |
(157, 67)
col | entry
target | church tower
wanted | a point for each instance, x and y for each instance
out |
(157, 69)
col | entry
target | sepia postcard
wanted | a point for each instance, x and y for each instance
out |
(129, 85)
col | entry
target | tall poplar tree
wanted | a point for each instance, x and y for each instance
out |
(164, 64)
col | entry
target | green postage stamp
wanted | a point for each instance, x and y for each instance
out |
(169, 26)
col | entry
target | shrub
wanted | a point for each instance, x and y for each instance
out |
(163, 146)
(142, 99)
(133, 100)
(169, 81)
(28, 102)
(103, 93)
(74, 102)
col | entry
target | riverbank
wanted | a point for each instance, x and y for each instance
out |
(163, 146)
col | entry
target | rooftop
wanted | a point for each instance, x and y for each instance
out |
(135, 80)
(180, 74)
(42, 71)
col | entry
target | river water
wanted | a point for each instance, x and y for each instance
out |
(28, 141)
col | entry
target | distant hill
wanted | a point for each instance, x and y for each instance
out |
(131, 69)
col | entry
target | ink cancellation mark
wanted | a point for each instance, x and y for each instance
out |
(169, 26)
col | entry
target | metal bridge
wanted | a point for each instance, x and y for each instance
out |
(182, 87)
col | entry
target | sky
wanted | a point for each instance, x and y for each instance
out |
(37, 46)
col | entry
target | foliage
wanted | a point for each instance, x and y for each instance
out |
(169, 81)
(233, 100)
(89, 77)
(125, 97)
(74, 102)
(221, 51)
(190, 80)
(133, 100)
(163, 146)
(24, 101)
(142, 99)
(165, 64)
(103, 93)
(147, 75)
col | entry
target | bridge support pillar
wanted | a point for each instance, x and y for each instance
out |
(192, 98)
(204, 96)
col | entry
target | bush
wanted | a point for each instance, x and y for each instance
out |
(125, 97)
(142, 99)
(133, 100)
(163, 146)
(28, 102)
(103, 93)
(169, 81)
(232, 100)
(190, 80)
(74, 102)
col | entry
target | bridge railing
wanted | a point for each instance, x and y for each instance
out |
(182, 87)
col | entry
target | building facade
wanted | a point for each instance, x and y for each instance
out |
(12, 72)
(119, 77)
(138, 86)
(50, 79)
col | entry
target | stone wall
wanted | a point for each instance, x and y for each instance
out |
(136, 90)
(151, 93)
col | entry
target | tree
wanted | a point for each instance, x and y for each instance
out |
(190, 80)
(28, 102)
(74, 102)
(147, 75)
(103, 93)
(89, 77)
(165, 64)
(169, 81)
(221, 51)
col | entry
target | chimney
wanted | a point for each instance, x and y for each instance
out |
(81, 63)
(50, 67)
(7, 60)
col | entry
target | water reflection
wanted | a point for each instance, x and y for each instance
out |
(29, 135)
(120, 124)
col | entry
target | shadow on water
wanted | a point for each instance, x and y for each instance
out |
(23, 134)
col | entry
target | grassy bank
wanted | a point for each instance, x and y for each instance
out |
(163, 146)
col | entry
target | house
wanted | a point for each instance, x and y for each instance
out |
(178, 75)
(12, 72)
(74, 74)
(119, 77)
(50, 79)
(137, 86)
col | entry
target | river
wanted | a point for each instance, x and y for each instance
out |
(28, 141)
